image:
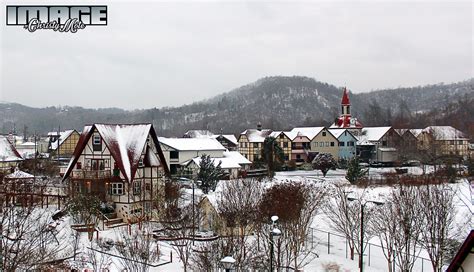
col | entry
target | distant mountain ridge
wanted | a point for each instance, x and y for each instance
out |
(277, 102)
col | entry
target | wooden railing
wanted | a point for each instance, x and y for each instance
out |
(91, 174)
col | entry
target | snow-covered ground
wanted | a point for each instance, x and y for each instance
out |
(373, 259)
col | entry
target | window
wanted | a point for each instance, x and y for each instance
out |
(147, 207)
(342, 143)
(282, 136)
(327, 144)
(286, 157)
(140, 163)
(174, 155)
(136, 187)
(96, 143)
(321, 144)
(324, 133)
(255, 145)
(285, 144)
(332, 143)
(79, 165)
(459, 142)
(351, 143)
(384, 143)
(116, 188)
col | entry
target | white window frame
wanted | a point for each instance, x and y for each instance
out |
(95, 138)
(137, 187)
(116, 188)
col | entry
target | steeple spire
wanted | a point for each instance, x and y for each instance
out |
(345, 98)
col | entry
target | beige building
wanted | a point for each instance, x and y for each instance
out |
(251, 143)
(444, 141)
(67, 143)
(322, 141)
(284, 141)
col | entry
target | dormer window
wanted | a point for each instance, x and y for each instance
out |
(96, 143)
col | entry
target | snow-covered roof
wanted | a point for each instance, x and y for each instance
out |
(237, 157)
(255, 135)
(309, 132)
(230, 137)
(8, 151)
(226, 163)
(445, 133)
(18, 174)
(190, 144)
(373, 134)
(231, 160)
(125, 143)
(338, 132)
(62, 138)
(27, 144)
(416, 131)
(198, 133)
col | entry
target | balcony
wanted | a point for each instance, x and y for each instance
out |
(91, 174)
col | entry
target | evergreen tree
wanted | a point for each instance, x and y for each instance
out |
(355, 171)
(324, 162)
(209, 173)
(272, 155)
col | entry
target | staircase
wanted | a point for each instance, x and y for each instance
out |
(112, 221)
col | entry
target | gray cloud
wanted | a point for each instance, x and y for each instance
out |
(155, 54)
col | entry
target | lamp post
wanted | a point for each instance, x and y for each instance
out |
(228, 263)
(361, 245)
(275, 232)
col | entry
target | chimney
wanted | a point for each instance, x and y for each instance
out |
(259, 126)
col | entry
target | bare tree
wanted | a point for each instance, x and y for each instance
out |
(295, 204)
(344, 216)
(139, 249)
(408, 217)
(28, 240)
(236, 207)
(178, 226)
(439, 223)
(383, 226)
(100, 261)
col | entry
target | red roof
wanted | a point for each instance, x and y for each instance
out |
(125, 143)
(345, 98)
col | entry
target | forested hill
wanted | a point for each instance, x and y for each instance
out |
(276, 102)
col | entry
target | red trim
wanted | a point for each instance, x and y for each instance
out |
(463, 252)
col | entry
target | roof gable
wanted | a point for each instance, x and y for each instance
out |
(7, 151)
(126, 144)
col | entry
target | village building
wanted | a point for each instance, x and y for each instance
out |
(322, 141)
(345, 120)
(121, 164)
(232, 162)
(444, 140)
(300, 147)
(284, 142)
(347, 143)
(229, 141)
(378, 144)
(63, 144)
(179, 150)
(9, 156)
(251, 142)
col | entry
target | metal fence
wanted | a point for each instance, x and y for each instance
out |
(331, 243)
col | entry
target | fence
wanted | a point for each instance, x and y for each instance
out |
(336, 244)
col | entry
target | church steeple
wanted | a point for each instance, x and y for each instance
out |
(345, 104)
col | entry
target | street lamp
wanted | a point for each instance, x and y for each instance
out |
(275, 232)
(228, 263)
(361, 245)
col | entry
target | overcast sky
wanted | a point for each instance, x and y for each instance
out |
(156, 54)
